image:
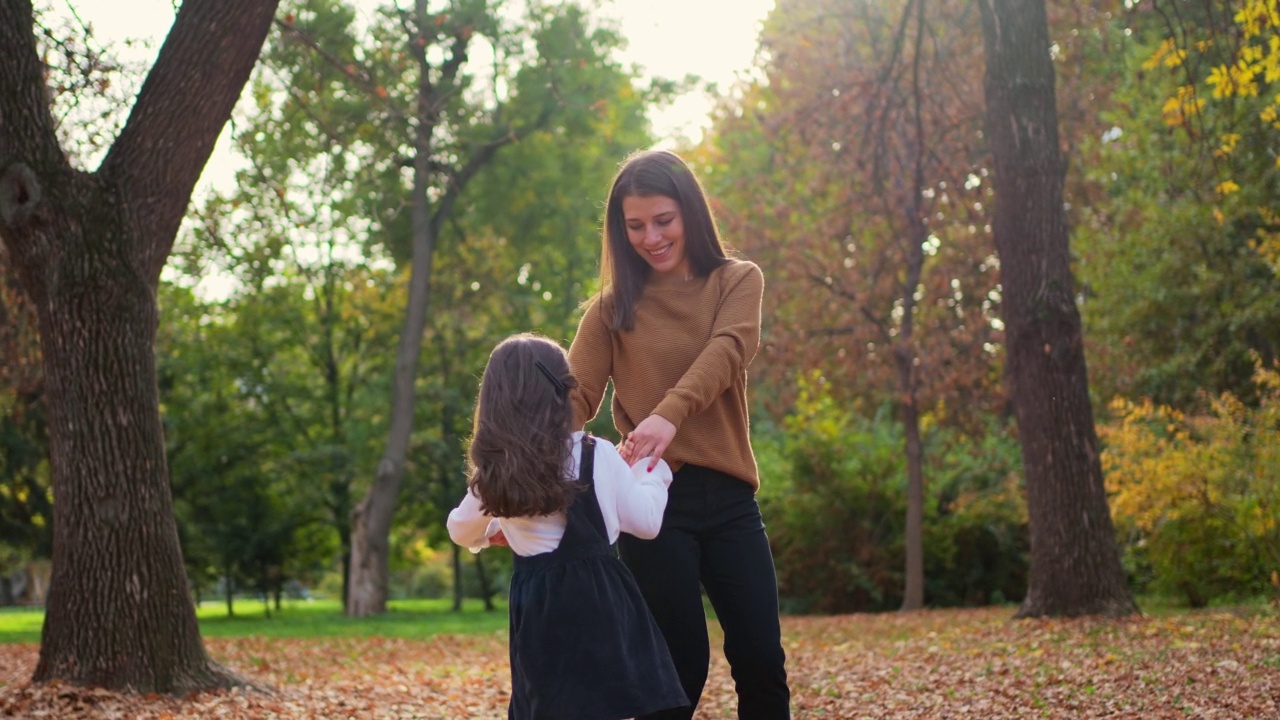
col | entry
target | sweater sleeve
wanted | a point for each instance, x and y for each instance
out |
(591, 362)
(469, 526)
(735, 338)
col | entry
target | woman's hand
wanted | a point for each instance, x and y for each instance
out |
(650, 439)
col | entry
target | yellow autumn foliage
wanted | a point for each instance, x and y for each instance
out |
(1251, 68)
(1197, 492)
(1267, 242)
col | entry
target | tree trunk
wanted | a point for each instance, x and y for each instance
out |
(89, 249)
(458, 593)
(913, 592)
(1075, 562)
(117, 566)
(486, 591)
(371, 519)
(344, 539)
(905, 354)
(229, 585)
(340, 506)
(905, 358)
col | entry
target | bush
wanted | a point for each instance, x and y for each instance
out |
(834, 494)
(977, 548)
(416, 569)
(836, 518)
(1197, 498)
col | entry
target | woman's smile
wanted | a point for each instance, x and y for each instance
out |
(655, 229)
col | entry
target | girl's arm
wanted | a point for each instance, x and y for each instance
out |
(639, 496)
(591, 362)
(469, 526)
(735, 337)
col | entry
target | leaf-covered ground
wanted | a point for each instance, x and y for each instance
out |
(943, 664)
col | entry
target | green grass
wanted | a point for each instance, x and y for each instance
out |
(303, 619)
(404, 619)
(1165, 606)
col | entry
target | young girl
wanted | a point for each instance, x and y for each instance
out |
(583, 643)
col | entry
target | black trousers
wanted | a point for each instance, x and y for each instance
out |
(713, 536)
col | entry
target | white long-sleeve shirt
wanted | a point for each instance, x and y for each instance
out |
(632, 500)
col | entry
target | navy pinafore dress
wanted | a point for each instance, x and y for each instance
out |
(584, 645)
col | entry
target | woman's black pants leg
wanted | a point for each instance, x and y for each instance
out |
(713, 537)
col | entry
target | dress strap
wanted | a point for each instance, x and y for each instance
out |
(585, 523)
(587, 468)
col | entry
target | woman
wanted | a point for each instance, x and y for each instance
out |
(675, 326)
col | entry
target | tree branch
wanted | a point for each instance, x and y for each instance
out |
(355, 71)
(481, 157)
(26, 127)
(852, 297)
(184, 103)
(29, 148)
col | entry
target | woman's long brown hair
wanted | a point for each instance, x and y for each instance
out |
(622, 271)
(520, 449)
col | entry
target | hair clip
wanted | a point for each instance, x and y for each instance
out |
(560, 386)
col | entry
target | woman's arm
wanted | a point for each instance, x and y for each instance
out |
(591, 362)
(735, 338)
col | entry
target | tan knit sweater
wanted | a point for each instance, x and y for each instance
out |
(686, 360)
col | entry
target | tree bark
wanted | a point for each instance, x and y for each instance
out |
(905, 354)
(1075, 561)
(89, 248)
(913, 590)
(905, 359)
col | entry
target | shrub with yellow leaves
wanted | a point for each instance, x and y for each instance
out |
(1196, 499)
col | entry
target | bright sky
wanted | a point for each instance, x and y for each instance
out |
(713, 39)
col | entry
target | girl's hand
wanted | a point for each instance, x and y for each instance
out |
(650, 439)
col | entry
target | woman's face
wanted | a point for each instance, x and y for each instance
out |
(655, 228)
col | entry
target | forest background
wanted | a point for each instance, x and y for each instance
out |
(861, 124)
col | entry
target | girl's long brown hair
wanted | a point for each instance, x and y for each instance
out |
(622, 271)
(520, 449)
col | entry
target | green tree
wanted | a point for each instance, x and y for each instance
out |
(251, 496)
(1177, 296)
(404, 119)
(307, 319)
(26, 510)
(26, 501)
